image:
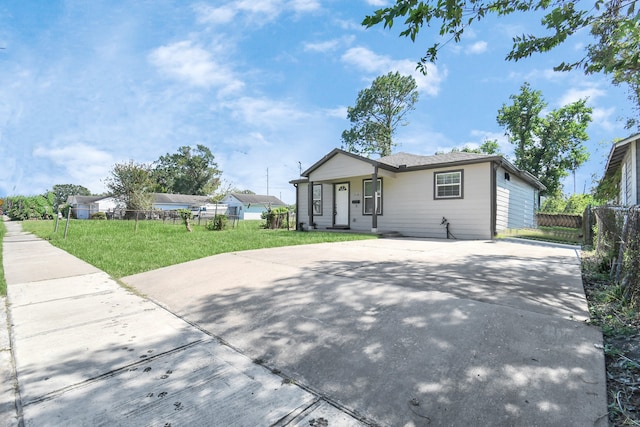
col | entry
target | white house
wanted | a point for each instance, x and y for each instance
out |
(250, 206)
(82, 207)
(624, 159)
(453, 195)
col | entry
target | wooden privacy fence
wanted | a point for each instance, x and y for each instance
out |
(559, 220)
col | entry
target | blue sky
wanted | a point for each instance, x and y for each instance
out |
(265, 84)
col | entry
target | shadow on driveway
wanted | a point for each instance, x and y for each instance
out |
(431, 337)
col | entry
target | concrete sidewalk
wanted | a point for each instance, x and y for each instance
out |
(88, 352)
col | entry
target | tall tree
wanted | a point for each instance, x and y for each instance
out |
(189, 171)
(130, 183)
(613, 23)
(550, 146)
(63, 191)
(378, 112)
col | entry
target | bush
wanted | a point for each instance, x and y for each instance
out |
(276, 218)
(99, 215)
(219, 222)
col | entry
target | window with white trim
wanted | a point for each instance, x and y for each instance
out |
(448, 185)
(367, 194)
(317, 199)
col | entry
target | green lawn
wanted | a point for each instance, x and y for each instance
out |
(3, 282)
(117, 248)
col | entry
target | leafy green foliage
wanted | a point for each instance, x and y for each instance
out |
(20, 208)
(548, 146)
(63, 191)
(276, 218)
(130, 183)
(378, 112)
(112, 246)
(489, 146)
(189, 171)
(614, 25)
(217, 223)
(99, 216)
(574, 204)
(186, 216)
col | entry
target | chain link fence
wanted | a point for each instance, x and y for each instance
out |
(617, 241)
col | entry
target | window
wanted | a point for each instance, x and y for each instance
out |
(317, 199)
(448, 185)
(367, 192)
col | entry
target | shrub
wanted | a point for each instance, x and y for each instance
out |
(219, 222)
(276, 218)
(99, 215)
(186, 216)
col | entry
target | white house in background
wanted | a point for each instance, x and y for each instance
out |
(250, 206)
(82, 207)
(624, 159)
(453, 195)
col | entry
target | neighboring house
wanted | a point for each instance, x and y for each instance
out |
(82, 207)
(458, 195)
(624, 159)
(171, 202)
(250, 206)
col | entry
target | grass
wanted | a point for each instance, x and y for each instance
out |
(619, 319)
(120, 250)
(572, 236)
(3, 282)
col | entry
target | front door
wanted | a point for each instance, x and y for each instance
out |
(341, 205)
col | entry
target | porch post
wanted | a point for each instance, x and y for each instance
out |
(310, 204)
(374, 189)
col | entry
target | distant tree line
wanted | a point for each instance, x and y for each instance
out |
(191, 171)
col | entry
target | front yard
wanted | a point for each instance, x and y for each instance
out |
(119, 249)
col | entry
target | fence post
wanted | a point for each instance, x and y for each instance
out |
(66, 228)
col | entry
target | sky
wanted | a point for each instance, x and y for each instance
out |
(265, 84)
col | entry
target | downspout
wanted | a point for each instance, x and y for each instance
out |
(374, 214)
(494, 198)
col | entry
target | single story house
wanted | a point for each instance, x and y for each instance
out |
(82, 207)
(453, 195)
(250, 206)
(624, 164)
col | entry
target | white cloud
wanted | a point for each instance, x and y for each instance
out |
(605, 118)
(193, 65)
(377, 3)
(575, 94)
(215, 15)
(325, 46)
(477, 48)
(305, 5)
(82, 163)
(328, 45)
(338, 112)
(372, 63)
(263, 112)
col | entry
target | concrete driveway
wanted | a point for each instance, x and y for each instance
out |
(405, 332)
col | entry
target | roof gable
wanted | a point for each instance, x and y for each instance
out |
(617, 153)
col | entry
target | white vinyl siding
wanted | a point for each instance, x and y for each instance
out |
(410, 209)
(516, 202)
(626, 183)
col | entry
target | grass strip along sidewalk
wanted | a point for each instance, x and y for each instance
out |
(119, 249)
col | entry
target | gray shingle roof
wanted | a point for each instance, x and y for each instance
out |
(258, 199)
(179, 199)
(411, 160)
